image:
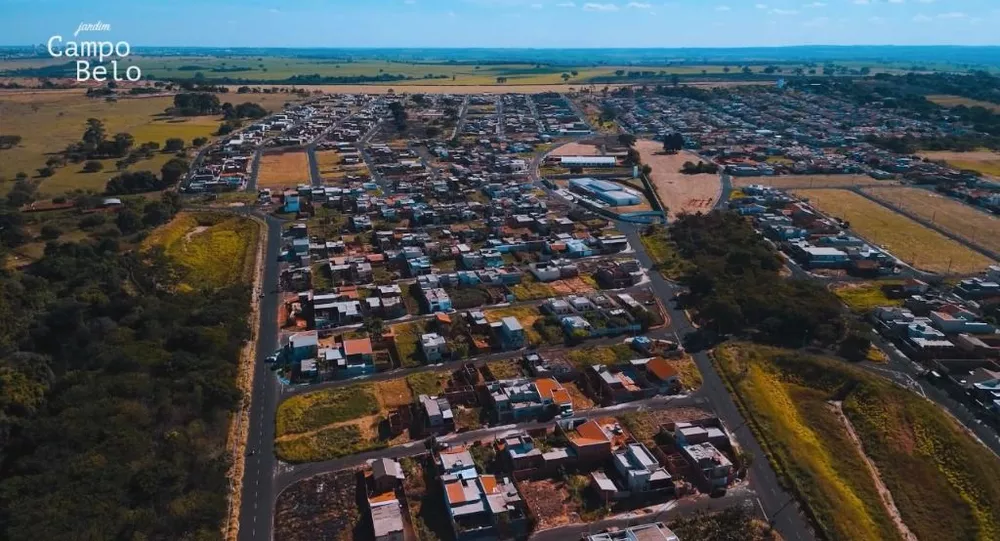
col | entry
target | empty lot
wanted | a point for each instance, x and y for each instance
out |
(680, 193)
(986, 162)
(791, 182)
(915, 244)
(971, 224)
(283, 170)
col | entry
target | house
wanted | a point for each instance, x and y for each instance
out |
(302, 345)
(515, 400)
(521, 453)
(387, 517)
(655, 531)
(436, 299)
(479, 506)
(512, 335)
(661, 374)
(433, 346)
(714, 465)
(587, 439)
(640, 471)
(557, 307)
(387, 475)
(357, 357)
(291, 203)
(437, 413)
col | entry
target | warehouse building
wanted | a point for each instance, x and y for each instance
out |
(608, 192)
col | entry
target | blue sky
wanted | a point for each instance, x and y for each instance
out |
(508, 23)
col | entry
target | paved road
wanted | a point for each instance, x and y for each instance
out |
(258, 493)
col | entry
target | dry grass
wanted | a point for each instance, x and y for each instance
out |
(915, 244)
(213, 249)
(959, 219)
(526, 315)
(576, 149)
(679, 193)
(283, 170)
(791, 182)
(986, 162)
(421, 87)
(393, 393)
(954, 101)
(581, 402)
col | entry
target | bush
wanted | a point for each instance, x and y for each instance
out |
(92, 166)
(50, 232)
(173, 144)
(199, 141)
(46, 172)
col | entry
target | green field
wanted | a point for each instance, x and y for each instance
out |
(311, 411)
(864, 297)
(213, 250)
(326, 444)
(941, 480)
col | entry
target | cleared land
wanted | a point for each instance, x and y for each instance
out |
(962, 220)
(577, 149)
(791, 182)
(986, 162)
(283, 170)
(940, 479)
(49, 120)
(320, 507)
(680, 193)
(214, 249)
(915, 244)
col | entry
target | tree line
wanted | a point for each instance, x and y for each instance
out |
(115, 390)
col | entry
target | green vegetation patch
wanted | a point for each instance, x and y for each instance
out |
(607, 355)
(429, 383)
(212, 249)
(327, 444)
(407, 339)
(663, 252)
(310, 411)
(865, 297)
(530, 290)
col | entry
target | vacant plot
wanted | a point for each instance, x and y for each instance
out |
(213, 249)
(575, 285)
(320, 507)
(505, 369)
(618, 353)
(961, 220)
(864, 297)
(428, 383)
(311, 411)
(577, 149)
(939, 477)
(330, 443)
(407, 340)
(663, 252)
(552, 502)
(529, 290)
(791, 182)
(954, 101)
(986, 162)
(393, 393)
(283, 170)
(913, 243)
(680, 193)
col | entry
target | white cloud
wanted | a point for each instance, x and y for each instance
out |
(760, 6)
(818, 21)
(639, 5)
(452, 14)
(536, 6)
(952, 15)
(921, 18)
(274, 10)
(784, 12)
(926, 1)
(723, 8)
(815, 5)
(566, 5)
(897, 1)
(862, 2)
(591, 6)
(876, 20)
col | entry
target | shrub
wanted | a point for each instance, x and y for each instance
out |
(92, 166)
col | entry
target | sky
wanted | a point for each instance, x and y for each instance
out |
(506, 23)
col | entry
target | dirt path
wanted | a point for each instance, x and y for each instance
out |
(883, 491)
(236, 440)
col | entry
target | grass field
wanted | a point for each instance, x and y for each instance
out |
(213, 249)
(529, 290)
(312, 411)
(429, 383)
(328, 162)
(939, 477)
(408, 343)
(618, 353)
(915, 244)
(283, 170)
(864, 297)
(791, 182)
(985, 162)
(50, 120)
(663, 253)
(959, 219)
(946, 100)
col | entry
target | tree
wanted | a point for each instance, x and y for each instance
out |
(50, 232)
(134, 182)
(565, 76)
(94, 134)
(673, 142)
(646, 169)
(9, 141)
(173, 170)
(128, 221)
(46, 171)
(726, 69)
(92, 166)
(199, 141)
(626, 139)
(173, 144)
(374, 327)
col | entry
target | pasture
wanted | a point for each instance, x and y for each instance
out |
(283, 170)
(946, 100)
(680, 193)
(49, 120)
(213, 249)
(985, 162)
(975, 226)
(909, 241)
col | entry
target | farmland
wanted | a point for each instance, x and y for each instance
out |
(946, 100)
(791, 182)
(982, 161)
(939, 478)
(213, 250)
(50, 120)
(283, 170)
(680, 193)
(915, 244)
(961, 220)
